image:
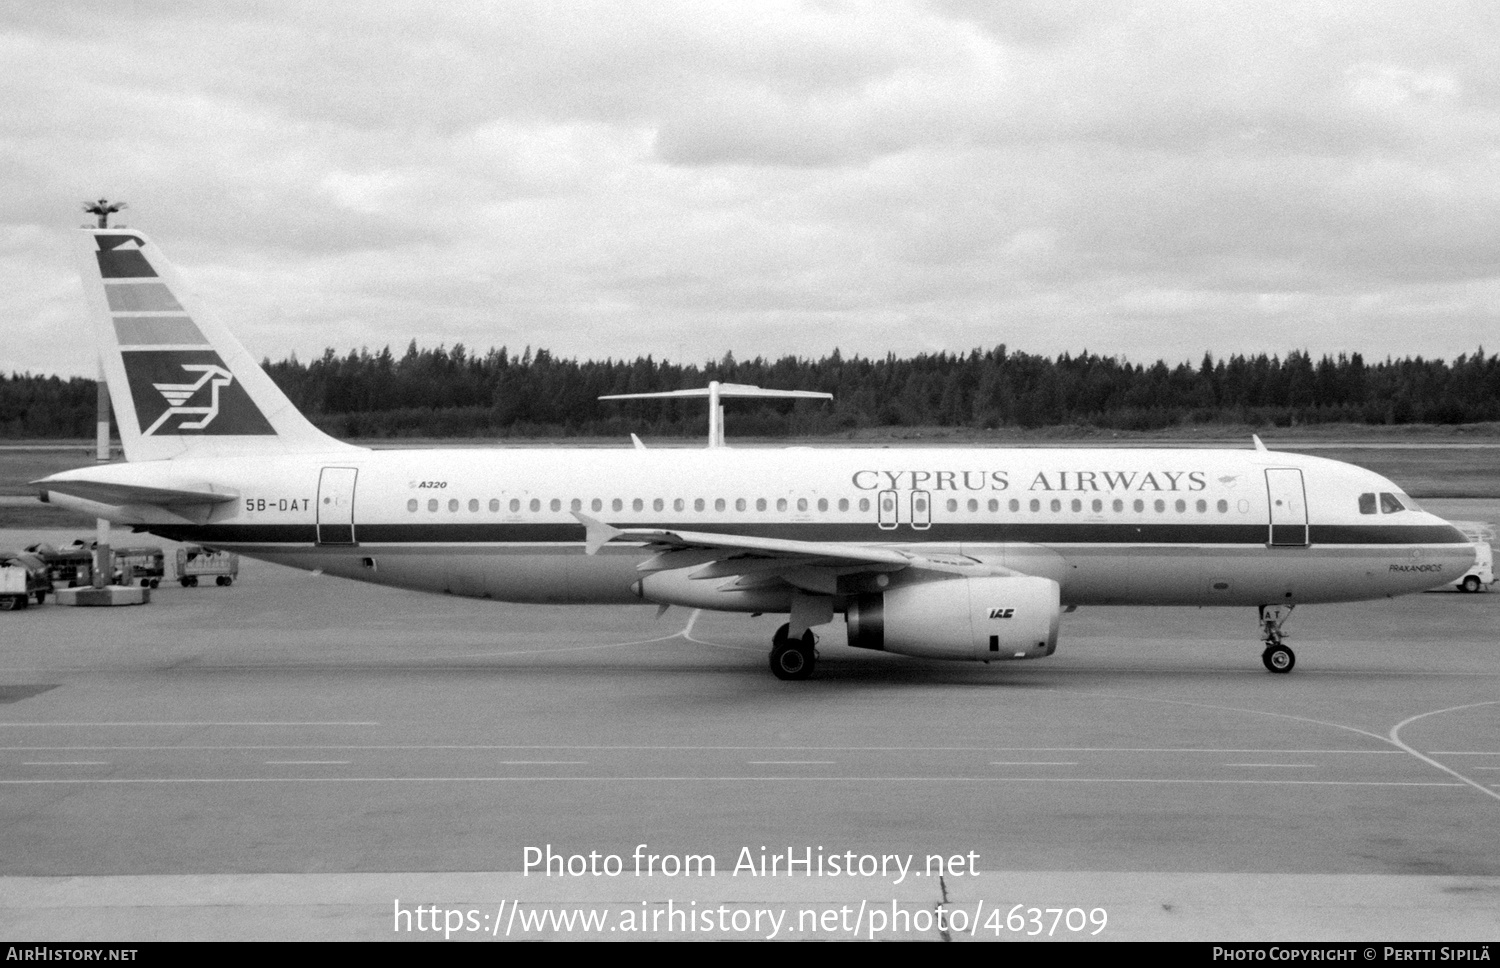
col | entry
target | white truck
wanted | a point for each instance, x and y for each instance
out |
(1481, 574)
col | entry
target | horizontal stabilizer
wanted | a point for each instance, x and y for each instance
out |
(113, 492)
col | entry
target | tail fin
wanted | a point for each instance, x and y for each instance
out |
(180, 383)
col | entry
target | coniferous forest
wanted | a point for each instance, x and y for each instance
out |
(455, 393)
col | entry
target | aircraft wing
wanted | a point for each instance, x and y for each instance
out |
(812, 565)
(117, 493)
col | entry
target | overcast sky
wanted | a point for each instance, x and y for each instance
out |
(1146, 179)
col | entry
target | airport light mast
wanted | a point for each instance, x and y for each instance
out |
(103, 559)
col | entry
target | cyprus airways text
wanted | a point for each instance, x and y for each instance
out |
(1088, 481)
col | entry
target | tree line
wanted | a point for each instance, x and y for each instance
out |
(451, 392)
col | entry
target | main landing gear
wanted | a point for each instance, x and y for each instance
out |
(793, 658)
(1277, 657)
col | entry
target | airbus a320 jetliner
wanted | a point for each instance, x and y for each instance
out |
(955, 554)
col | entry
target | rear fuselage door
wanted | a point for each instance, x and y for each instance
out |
(336, 505)
(1288, 500)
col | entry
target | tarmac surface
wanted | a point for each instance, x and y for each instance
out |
(305, 757)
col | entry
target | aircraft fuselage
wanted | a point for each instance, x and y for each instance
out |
(1110, 526)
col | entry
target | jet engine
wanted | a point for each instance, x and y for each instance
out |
(979, 619)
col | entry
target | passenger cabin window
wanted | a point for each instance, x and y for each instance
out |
(1367, 503)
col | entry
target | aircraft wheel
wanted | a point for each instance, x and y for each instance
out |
(1278, 658)
(1471, 583)
(793, 660)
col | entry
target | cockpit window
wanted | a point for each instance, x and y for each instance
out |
(1408, 503)
(1367, 503)
(1389, 503)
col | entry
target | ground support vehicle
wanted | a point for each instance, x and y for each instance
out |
(23, 579)
(145, 566)
(195, 563)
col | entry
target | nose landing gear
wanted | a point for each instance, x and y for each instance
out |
(1276, 657)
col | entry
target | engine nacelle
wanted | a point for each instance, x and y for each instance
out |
(979, 619)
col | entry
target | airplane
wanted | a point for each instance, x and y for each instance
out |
(964, 553)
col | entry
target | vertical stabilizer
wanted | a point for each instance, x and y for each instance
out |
(180, 383)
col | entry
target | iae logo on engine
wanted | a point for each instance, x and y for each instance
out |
(1002, 613)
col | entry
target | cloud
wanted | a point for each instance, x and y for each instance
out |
(620, 178)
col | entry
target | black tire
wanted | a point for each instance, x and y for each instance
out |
(1470, 583)
(793, 660)
(184, 582)
(41, 597)
(192, 581)
(1279, 659)
(7, 603)
(791, 663)
(222, 581)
